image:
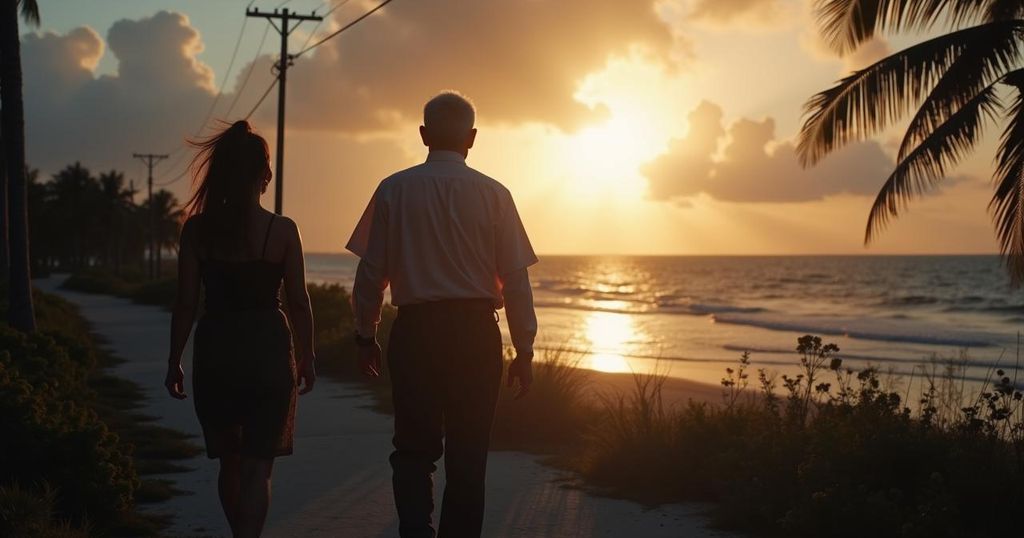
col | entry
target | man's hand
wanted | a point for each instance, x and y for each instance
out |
(369, 359)
(175, 381)
(307, 375)
(521, 371)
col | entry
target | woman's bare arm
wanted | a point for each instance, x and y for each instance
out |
(300, 313)
(185, 306)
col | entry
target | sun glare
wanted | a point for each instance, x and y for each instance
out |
(607, 158)
(609, 334)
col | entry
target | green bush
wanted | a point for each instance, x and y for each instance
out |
(51, 435)
(53, 438)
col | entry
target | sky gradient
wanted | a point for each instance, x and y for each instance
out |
(621, 127)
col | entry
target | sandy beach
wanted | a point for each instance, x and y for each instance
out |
(338, 481)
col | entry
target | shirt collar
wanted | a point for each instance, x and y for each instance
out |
(444, 155)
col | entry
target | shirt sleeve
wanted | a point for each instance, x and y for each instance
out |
(368, 298)
(514, 251)
(522, 319)
(369, 240)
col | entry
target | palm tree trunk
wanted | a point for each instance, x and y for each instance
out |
(20, 313)
(5, 262)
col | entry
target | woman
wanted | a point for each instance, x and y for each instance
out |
(244, 377)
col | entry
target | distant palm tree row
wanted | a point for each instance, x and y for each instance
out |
(78, 220)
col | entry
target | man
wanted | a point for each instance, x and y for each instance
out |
(449, 241)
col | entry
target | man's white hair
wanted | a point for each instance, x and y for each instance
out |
(449, 117)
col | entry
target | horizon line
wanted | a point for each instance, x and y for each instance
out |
(762, 255)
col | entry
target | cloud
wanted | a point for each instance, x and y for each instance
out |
(520, 61)
(868, 53)
(157, 95)
(730, 11)
(755, 167)
(813, 42)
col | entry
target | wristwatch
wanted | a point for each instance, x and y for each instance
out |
(364, 341)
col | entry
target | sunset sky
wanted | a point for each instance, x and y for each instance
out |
(620, 126)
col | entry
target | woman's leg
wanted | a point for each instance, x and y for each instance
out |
(254, 496)
(228, 486)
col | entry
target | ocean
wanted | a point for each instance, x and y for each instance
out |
(692, 316)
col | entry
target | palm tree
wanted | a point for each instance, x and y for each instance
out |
(167, 217)
(115, 200)
(955, 81)
(20, 313)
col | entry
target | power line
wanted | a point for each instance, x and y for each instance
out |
(231, 107)
(262, 98)
(224, 81)
(248, 73)
(312, 32)
(342, 29)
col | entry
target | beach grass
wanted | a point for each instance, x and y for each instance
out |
(829, 452)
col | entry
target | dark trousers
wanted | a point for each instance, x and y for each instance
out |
(445, 360)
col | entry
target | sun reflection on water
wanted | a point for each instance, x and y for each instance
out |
(609, 335)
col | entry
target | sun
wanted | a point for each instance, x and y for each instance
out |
(606, 159)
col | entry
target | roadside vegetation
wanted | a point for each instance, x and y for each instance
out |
(75, 452)
(827, 452)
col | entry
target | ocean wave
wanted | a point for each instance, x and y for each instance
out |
(862, 329)
(989, 309)
(643, 307)
(910, 300)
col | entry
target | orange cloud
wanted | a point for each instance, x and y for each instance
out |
(520, 61)
(755, 167)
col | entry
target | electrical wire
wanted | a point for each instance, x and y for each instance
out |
(321, 21)
(247, 116)
(263, 97)
(342, 29)
(248, 74)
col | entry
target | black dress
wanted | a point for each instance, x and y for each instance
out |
(244, 377)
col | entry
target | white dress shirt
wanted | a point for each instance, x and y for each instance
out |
(442, 230)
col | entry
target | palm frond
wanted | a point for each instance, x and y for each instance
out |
(868, 100)
(983, 62)
(30, 11)
(1007, 205)
(926, 164)
(845, 24)
(998, 10)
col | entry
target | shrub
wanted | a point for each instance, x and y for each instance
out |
(841, 454)
(28, 513)
(49, 438)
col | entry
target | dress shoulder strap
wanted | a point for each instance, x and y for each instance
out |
(266, 237)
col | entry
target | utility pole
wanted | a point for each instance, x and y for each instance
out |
(151, 159)
(284, 16)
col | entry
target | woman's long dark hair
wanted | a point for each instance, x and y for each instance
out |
(228, 168)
